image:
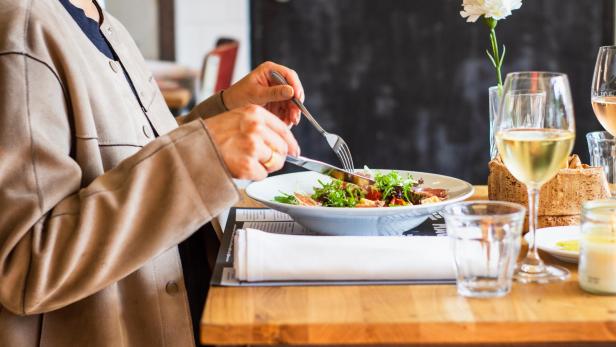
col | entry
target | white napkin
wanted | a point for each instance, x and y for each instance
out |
(260, 256)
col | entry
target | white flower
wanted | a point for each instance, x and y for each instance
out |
(497, 9)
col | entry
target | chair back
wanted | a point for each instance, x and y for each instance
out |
(217, 70)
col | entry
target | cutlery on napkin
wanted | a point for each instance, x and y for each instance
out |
(261, 256)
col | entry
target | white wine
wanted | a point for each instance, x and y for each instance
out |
(533, 156)
(605, 110)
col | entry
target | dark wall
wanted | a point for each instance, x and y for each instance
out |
(406, 82)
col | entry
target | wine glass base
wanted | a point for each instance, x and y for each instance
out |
(549, 274)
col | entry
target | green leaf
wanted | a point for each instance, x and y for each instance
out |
(491, 58)
(502, 56)
(286, 199)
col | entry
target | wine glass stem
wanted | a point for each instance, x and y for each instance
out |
(533, 261)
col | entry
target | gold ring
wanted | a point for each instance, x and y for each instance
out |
(271, 160)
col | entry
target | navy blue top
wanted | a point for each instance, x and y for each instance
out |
(91, 28)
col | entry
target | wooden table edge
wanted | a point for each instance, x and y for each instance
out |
(601, 332)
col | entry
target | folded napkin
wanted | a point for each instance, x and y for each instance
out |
(260, 256)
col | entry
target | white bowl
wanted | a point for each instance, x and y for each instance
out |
(354, 221)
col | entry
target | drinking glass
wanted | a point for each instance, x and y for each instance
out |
(486, 237)
(603, 91)
(602, 150)
(534, 143)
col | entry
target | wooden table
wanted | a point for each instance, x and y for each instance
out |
(175, 81)
(554, 314)
(177, 98)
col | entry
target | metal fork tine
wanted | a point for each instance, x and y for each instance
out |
(342, 160)
(340, 154)
(347, 165)
(347, 151)
(345, 158)
(349, 160)
(351, 166)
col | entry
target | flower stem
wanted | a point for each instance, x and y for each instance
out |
(497, 59)
(495, 56)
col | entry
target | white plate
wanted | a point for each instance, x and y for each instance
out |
(354, 221)
(548, 237)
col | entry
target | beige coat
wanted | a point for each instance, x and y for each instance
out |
(92, 206)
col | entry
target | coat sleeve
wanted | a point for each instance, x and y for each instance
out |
(61, 242)
(210, 107)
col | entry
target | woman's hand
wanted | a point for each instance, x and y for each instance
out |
(252, 141)
(258, 88)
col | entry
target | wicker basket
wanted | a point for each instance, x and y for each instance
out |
(561, 199)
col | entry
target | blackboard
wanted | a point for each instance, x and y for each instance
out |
(406, 82)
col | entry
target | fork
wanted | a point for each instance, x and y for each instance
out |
(337, 144)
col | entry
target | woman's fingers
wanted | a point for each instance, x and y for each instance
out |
(267, 155)
(275, 93)
(281, 129)
(255, 171)
(290, 75)
(281, 110)
(274, 141)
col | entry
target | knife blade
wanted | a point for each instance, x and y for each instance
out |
(329, 170)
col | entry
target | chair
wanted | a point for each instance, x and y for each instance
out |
(218, 66)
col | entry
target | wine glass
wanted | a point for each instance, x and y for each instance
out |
(603, 100)
(535, 131)
(603, 92)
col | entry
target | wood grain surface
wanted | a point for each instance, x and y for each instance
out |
(177, 98)
(556, 314)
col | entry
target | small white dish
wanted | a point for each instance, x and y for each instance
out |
(548, 237)
(354, 221)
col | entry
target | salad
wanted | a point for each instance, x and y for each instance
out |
(390, 189)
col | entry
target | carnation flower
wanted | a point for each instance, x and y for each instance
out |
(496, 9)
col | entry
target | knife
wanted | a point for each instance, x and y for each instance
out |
(329, 170)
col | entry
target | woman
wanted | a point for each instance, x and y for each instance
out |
(94, 202)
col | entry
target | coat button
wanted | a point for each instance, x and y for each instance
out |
(172, 288)
(147, 131)
(115, 66)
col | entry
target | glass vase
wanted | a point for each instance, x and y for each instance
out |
(494, 104)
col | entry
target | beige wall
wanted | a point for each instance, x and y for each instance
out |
(199, 23)
(140, 17)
